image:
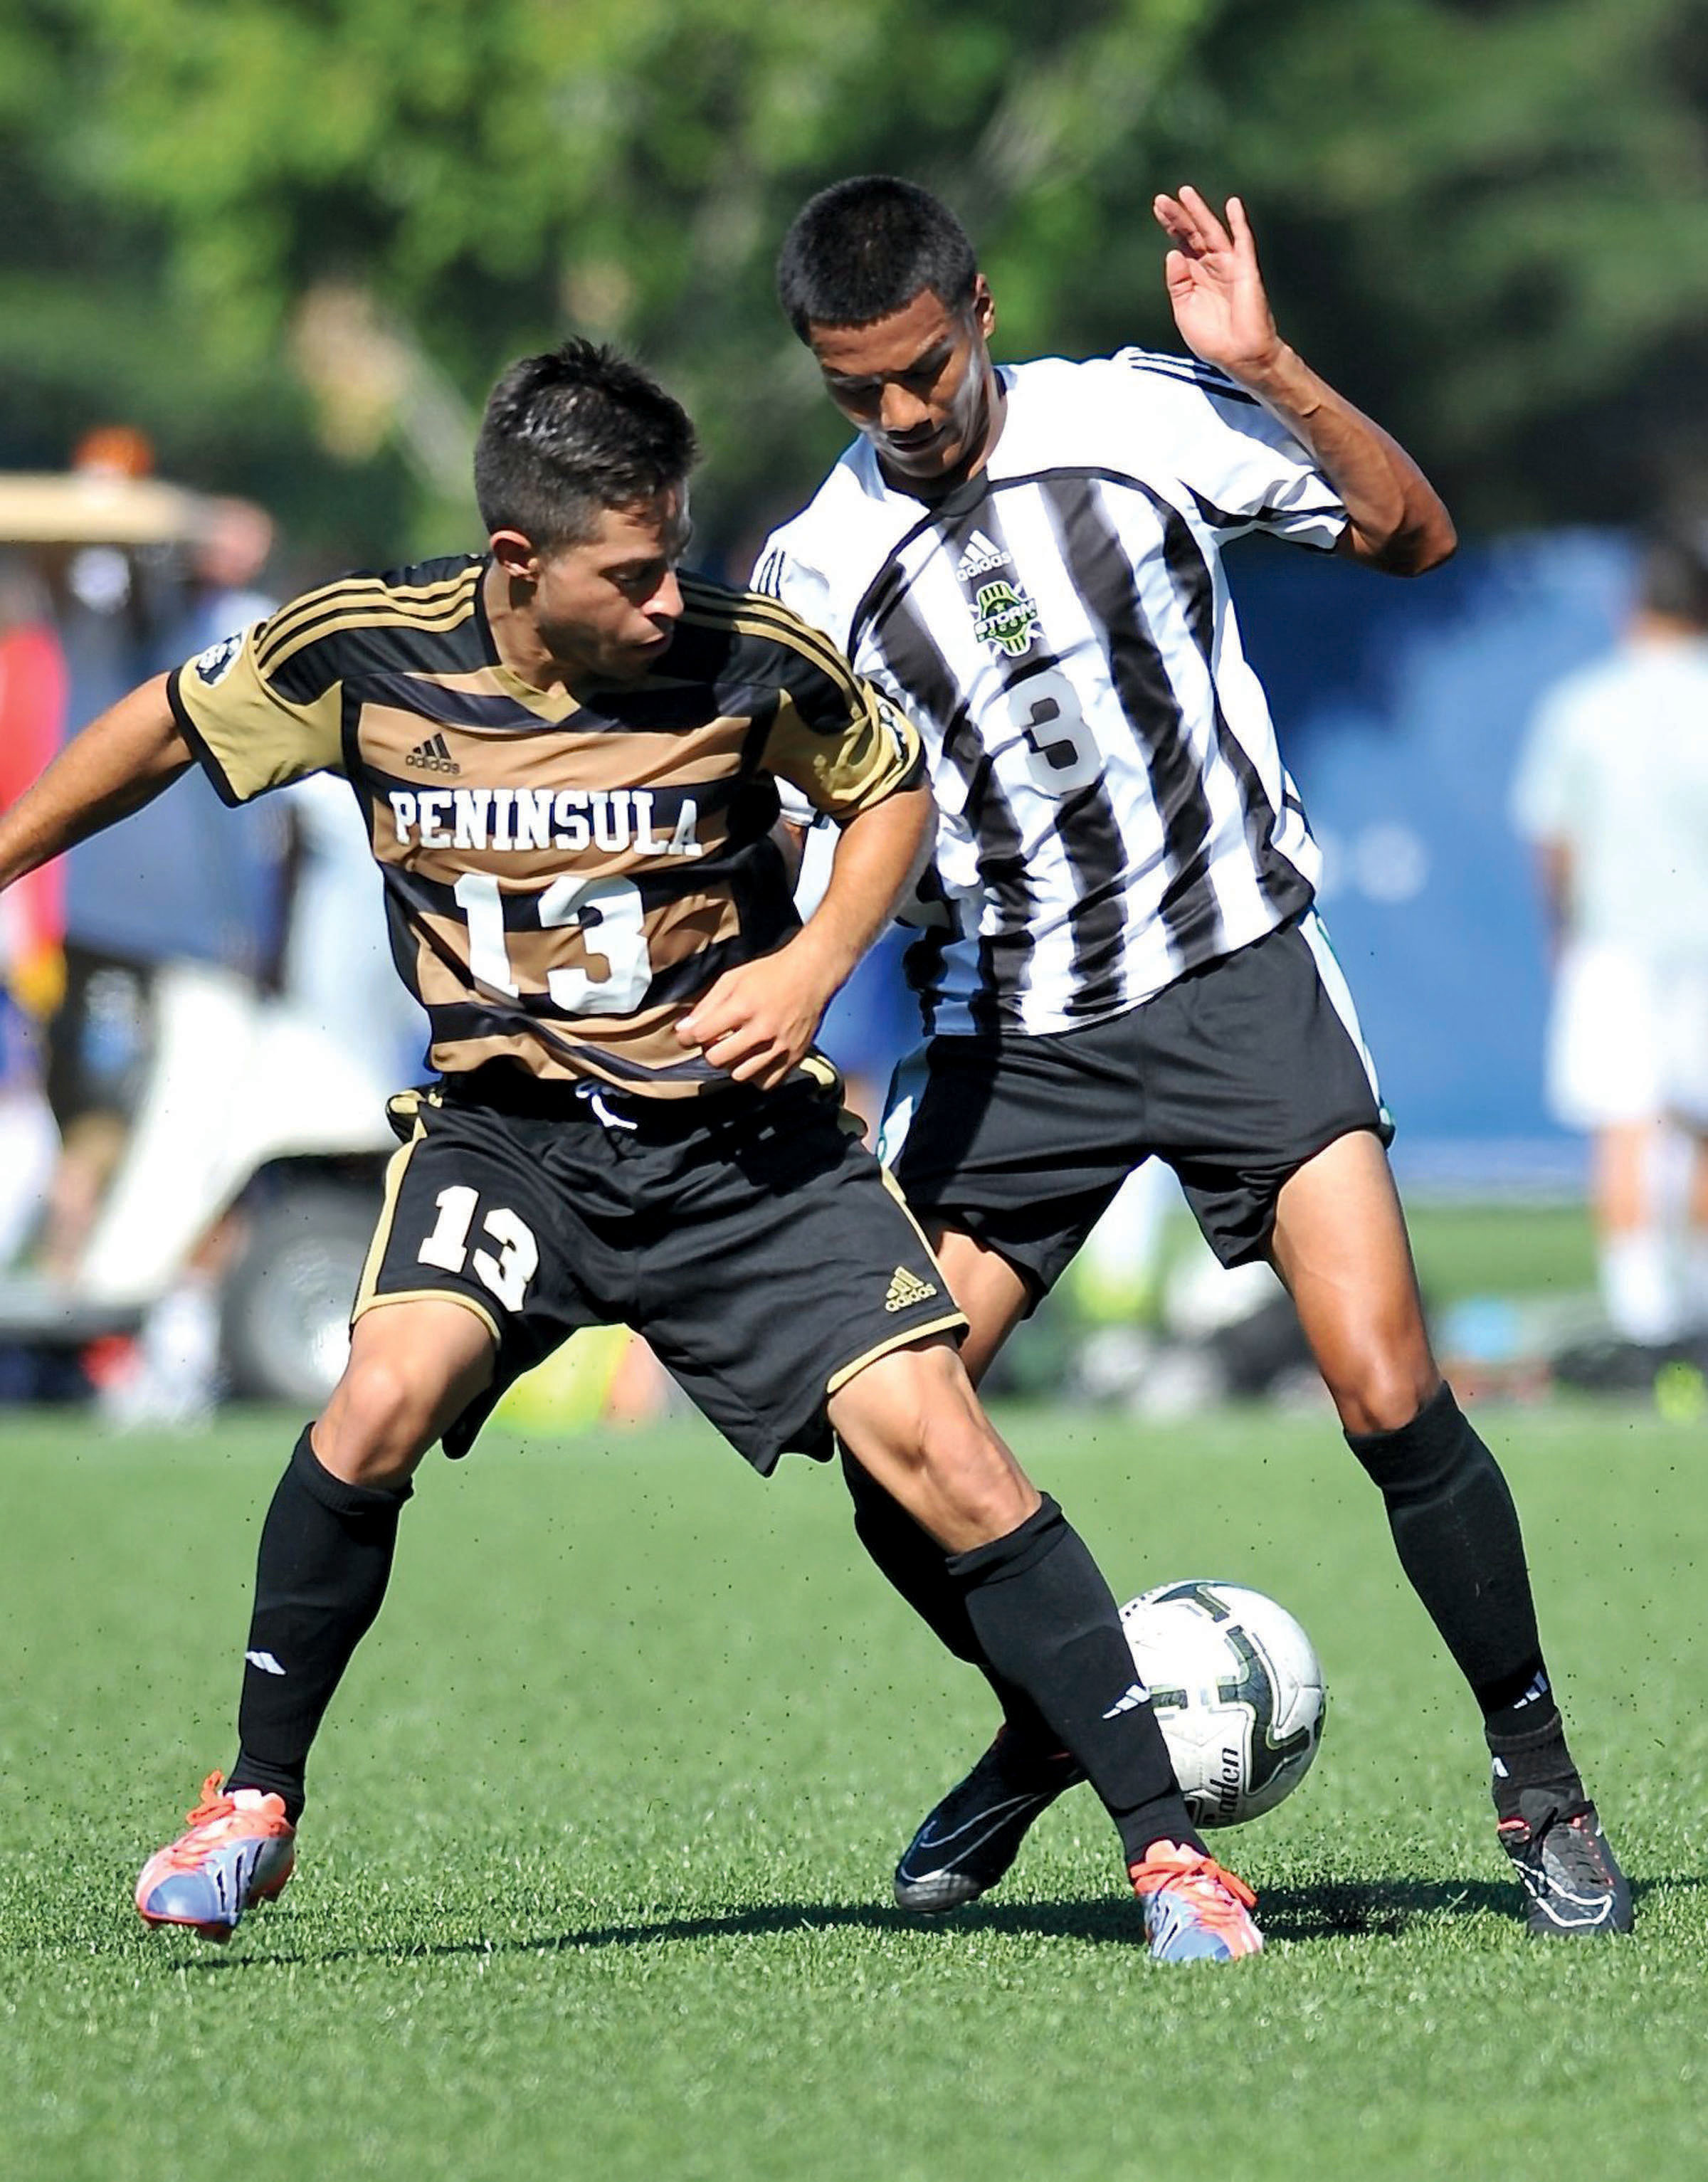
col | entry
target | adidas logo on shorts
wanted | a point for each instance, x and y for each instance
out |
(434, 755)
(907, 1288)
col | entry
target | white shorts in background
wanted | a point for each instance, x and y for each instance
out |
(1628, 1040)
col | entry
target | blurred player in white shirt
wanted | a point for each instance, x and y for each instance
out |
(1612, 789)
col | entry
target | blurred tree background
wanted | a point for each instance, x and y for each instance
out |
(293, 239)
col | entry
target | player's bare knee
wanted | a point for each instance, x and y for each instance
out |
(986, 1505)
(377, 1425)
(1385, 1394)
(918, 1425)
(972, 1475)
(1378, 1365)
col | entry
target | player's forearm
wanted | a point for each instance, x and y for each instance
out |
(119, 762)
(1554, 871)
(879, 855)
(1396, 520)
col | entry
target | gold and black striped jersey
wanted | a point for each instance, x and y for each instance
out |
(563, 877)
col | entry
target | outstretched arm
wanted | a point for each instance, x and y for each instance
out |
(120, 760)
(1396, 521)
(758, 1021)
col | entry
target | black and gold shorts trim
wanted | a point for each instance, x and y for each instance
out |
(763, 1251)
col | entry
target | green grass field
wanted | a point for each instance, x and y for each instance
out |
(596, 1879)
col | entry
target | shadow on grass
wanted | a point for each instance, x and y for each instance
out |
(1356, 1907)
(1389, 1906)
(1333, 1909)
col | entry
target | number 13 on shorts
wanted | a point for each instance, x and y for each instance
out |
(507, 1275)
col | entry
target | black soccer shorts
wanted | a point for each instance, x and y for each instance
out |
(1234, 1076)
(760, 1249)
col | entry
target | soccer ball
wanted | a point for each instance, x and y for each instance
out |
(1238, 1692)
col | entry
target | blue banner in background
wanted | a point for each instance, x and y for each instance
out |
(1400, 708)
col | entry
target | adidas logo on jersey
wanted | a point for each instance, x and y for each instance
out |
(907, 1288)
(434, 755)
(983, 557)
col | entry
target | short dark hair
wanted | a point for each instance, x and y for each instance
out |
(1672, 579)
(865, 249)
(570, 434)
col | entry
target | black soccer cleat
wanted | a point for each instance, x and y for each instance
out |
(974, 1834)
(1570, 1874)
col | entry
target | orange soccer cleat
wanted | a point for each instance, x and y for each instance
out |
(1195, 1911)
(239, 1850)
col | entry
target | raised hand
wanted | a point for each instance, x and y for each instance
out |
(1215, 289)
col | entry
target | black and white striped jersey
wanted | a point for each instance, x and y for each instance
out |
(1114, 809)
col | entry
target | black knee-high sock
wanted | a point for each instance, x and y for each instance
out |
(917, 1567)
(324, 1559)
(1047, 1623)
(1459, 1542)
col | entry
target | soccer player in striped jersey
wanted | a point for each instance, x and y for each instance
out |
(566, 753)
(1122, 959)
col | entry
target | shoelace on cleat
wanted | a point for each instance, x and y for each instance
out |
(1575, 1843)
(1220, 1896)
(216, 1804)
(187, 1854)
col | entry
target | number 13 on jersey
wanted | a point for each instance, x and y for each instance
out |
(610, 918)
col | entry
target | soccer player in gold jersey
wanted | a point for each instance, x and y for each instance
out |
(566, 751)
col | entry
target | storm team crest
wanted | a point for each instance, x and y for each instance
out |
(1005, 618)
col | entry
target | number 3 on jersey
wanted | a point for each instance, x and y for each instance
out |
(509, 1274)
(609, 915)
(1062, 753)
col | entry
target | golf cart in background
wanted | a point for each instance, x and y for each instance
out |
(260, 1118)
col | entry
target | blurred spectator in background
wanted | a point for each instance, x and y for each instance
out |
(177, 883)
(32, 719)
(1612, 790)
(195, 968)
(197, 923)
(170, 915)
